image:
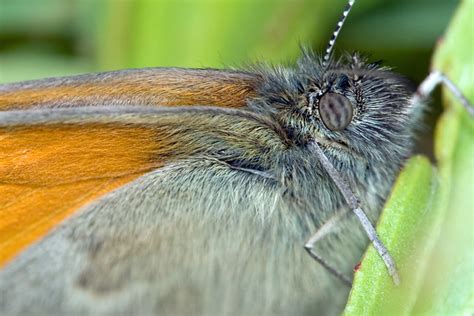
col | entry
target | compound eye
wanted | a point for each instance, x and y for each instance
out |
(335, 111)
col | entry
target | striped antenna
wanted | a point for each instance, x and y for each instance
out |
(342, 19)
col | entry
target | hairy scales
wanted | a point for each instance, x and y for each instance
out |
(150, 86)
(202, 235)
(217, 247)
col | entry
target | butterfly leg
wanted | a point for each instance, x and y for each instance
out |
(324, 230)
(354, 204)
(432, 81)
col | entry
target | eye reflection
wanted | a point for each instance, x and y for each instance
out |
(335, 111)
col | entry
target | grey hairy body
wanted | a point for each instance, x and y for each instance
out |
(195, 237)
(220, 228)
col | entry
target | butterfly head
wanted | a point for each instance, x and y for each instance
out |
(347, 105)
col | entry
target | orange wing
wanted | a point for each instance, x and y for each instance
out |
(50, 167)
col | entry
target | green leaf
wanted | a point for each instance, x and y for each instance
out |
(450, 280)
(431, 235)
(408, 210)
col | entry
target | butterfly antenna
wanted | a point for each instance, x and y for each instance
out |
(339, 25)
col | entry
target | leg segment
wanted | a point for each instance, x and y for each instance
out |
(353, 203)
(324, 230)
(432, 81)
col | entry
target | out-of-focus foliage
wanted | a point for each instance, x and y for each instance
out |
(57, 37)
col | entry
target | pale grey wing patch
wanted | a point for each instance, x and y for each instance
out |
(185, 239)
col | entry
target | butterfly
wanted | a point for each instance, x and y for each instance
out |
(193, 191)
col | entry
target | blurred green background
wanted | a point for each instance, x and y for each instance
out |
(45, 38)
